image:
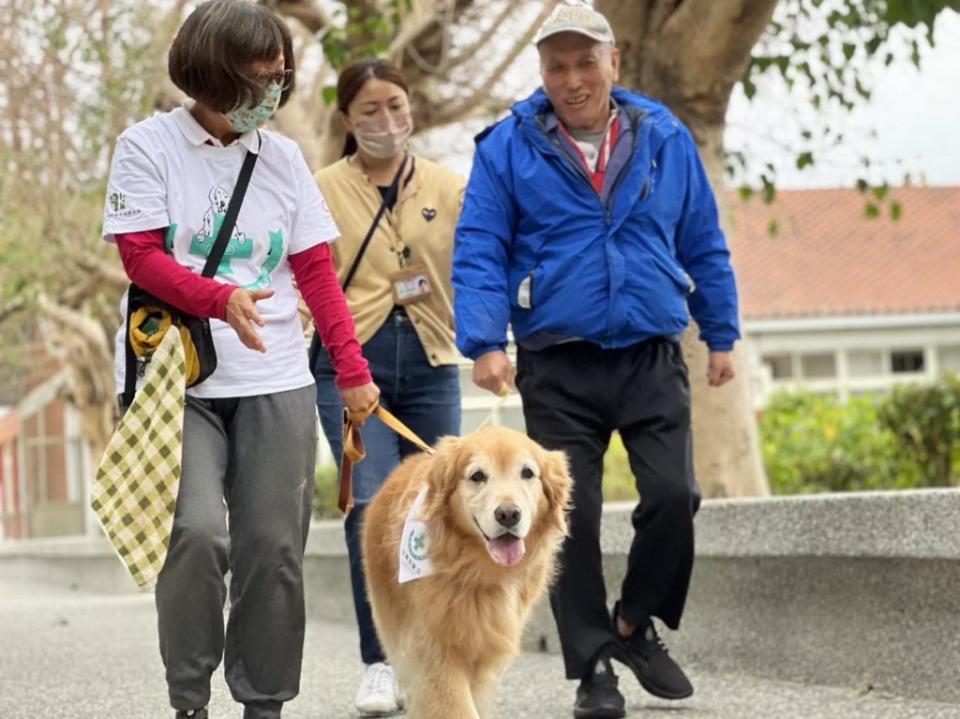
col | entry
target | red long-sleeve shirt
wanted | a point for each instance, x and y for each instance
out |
(149, 266)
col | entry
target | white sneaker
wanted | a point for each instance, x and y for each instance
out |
(377, 694)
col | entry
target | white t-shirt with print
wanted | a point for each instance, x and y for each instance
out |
(169, 173)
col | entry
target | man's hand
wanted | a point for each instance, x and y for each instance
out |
(720, 369)
(242, 315)
(494, 372)
(358, 399)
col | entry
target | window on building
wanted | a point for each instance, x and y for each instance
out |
(818, 366)
(781, 366)
(906, 361)
(949, 358)
(865, 363)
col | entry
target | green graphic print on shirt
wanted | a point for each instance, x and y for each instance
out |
(239, 247)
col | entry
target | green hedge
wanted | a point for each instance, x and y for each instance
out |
(813, 443)
(326, 492)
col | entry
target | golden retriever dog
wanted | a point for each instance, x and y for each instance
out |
(494, 515)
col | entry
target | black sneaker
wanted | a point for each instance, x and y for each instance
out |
(647, 656)
(192, 714)
(598, 696)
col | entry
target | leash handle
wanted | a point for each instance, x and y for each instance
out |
(354, 450)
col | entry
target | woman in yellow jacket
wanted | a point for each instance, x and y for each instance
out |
(397, 214)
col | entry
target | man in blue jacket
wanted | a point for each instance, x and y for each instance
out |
(590, 227)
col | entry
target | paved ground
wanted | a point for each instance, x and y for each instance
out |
(70, 656)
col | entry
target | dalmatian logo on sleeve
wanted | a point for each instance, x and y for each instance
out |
(240, 248)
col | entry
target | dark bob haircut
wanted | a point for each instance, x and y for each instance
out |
(354, 76)
(213, 51)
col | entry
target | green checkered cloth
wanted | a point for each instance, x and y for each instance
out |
(134, 494)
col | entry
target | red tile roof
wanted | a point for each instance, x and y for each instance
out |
(828, 259)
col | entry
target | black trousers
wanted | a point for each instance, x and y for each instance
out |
(574, 396)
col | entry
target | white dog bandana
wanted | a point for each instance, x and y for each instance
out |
(414, 558)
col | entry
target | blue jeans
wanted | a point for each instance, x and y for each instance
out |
(425, 398)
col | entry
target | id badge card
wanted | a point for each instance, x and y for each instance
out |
(410, 285)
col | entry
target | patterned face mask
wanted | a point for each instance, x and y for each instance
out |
(248, 119)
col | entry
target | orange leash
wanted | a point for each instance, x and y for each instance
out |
(354, 450)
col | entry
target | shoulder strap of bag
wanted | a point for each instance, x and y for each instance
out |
(389, 198)
(230, 219)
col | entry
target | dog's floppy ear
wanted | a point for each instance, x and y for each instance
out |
(557, 485)
(442, 477)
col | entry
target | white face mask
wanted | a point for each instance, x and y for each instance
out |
(383, 139)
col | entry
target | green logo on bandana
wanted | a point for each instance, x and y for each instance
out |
(418, 546)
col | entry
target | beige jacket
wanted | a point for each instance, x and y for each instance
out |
(423, 220)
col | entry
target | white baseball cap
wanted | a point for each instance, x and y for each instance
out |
(580, 19)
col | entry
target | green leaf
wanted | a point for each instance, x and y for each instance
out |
(848, 50)
(769, 190)
(880, 191)
(745, 192)
(804, 159)
(862, 186)
(773, 227)
(872, 211)
(329, 94)
(896, 211)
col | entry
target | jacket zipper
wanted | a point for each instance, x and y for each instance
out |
(635, 128)
(581, 173)
(571, 161)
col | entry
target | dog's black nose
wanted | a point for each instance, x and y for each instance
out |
(507, 515)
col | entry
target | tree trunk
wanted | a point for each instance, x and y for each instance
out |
(726, 456)
(689, 54)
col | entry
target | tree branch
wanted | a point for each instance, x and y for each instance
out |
(660, 12)
(11, 307)
(466, 106)
(724, 32)
(468, 53)
(308, 12)
(425, 38)
(79, 323)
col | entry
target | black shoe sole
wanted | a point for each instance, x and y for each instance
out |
(610, 713)
(651, 688)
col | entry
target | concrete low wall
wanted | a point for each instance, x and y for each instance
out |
(858, 590)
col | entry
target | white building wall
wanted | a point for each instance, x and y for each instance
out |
(854, 343)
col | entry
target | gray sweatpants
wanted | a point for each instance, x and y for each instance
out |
(252, 458)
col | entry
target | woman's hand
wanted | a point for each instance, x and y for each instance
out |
(358, 399)
(242, 315)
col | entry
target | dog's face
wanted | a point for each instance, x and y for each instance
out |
(219, 200)
(498, 486)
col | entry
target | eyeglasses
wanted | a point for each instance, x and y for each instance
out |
(284, 78)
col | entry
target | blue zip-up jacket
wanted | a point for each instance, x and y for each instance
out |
(536, 246)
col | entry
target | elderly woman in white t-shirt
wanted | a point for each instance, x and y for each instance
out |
(250, 428)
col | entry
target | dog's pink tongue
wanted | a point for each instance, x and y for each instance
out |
(507, 549)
